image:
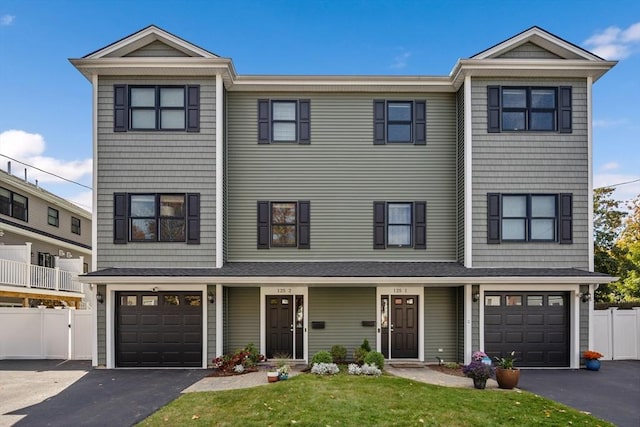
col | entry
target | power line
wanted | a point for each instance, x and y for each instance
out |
(49, 173)
(619, 184)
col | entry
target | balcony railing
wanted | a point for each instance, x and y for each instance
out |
(24, 275)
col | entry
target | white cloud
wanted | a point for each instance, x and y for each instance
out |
(605, 123)
(615, 43)
(84, 200)
(610, 166)
(29, 148)
(400, 61)
(6, 20)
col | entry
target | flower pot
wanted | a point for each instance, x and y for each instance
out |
(282, 377)
(507, 378)
(592, 364)
(480, 383)
(272, 377)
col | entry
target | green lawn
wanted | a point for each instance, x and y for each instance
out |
(343, 400)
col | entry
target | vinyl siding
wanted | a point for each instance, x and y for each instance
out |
(155, 49)
(530, 162)
(242, 320)
(342, 310)
(475, 321)
(460, 314)
(529, 51)
(156, 162)
(342, 173)
(584, 321)
(440, 324)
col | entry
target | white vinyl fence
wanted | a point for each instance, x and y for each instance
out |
(37, 333)
(616, 333)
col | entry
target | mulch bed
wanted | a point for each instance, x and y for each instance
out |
(449, 371)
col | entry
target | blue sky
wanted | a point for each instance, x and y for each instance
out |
(45, 104)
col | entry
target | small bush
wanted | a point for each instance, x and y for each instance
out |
(359, 354)
(339, 353)
(325, 369)
(451, 365)
(364, 370)
(365, 345)
(321, 357)
(374, 358)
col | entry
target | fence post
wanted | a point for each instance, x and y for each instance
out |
(27, 264)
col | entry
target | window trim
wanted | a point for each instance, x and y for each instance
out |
(264, 224)
(266, 121)
(122, 218)
(418, 122)
(11, 205)
(418, 233)
(77, 226)
(275, 121)
(562, 112)
(563, 220)
(53, 220)
(122, 109)
(273, 224)
(410, 224)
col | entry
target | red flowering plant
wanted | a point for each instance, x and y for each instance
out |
(241, 361)
(591, 355)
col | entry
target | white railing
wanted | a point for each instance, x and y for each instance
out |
(15, 273)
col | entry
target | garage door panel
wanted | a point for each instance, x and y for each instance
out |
(514, 319)
(493, 319)
(535, 319)
(536, 329)
(150, 319)
(158, 335)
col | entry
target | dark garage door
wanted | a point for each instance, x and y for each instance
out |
(159, 329)
(533, 324)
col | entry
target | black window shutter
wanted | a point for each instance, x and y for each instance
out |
(420, 225)
(304, 225)
(120, 110)
(304, 124)
(566, 218)
(193, 219)
(420, 123)
(378, 122)
(120, 218)
(564, 110)
(493, 218)
(264, 131)
(379, 225)
(263, 225)
(193, 108)
(493, 108)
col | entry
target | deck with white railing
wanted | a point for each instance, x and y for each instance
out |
(20, 274)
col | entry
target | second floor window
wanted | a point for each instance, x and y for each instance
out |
(399, 122)
(154, 108)
(75, 225)
(400, 225)
(284, 121)
(284, 224)
(523, 109)
(53, 217)
(157, 218)
(529, 218)
(13, 204)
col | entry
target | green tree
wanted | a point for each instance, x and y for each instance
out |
(628, 246)
(608, 219)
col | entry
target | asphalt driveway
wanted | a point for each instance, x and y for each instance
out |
(612, 393)
(95, 397)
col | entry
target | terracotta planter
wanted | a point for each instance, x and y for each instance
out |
(507, 378)
(272, 377)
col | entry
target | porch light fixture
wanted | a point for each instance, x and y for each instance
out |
(585, 296)
(476, 297)
(211, 297)
(99, 298)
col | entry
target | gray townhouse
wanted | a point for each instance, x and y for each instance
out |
(431, 215)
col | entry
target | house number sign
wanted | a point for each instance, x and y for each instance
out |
(400, 290)
(285, 290)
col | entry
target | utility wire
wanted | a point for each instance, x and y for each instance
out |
(49, 173)
(621, 183)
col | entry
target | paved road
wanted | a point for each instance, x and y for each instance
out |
(99, 397)
(612, 393)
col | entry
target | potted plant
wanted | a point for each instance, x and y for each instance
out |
(272, 376)
(591, 361)
(506, 374)
(283, 371)
(478, 370)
